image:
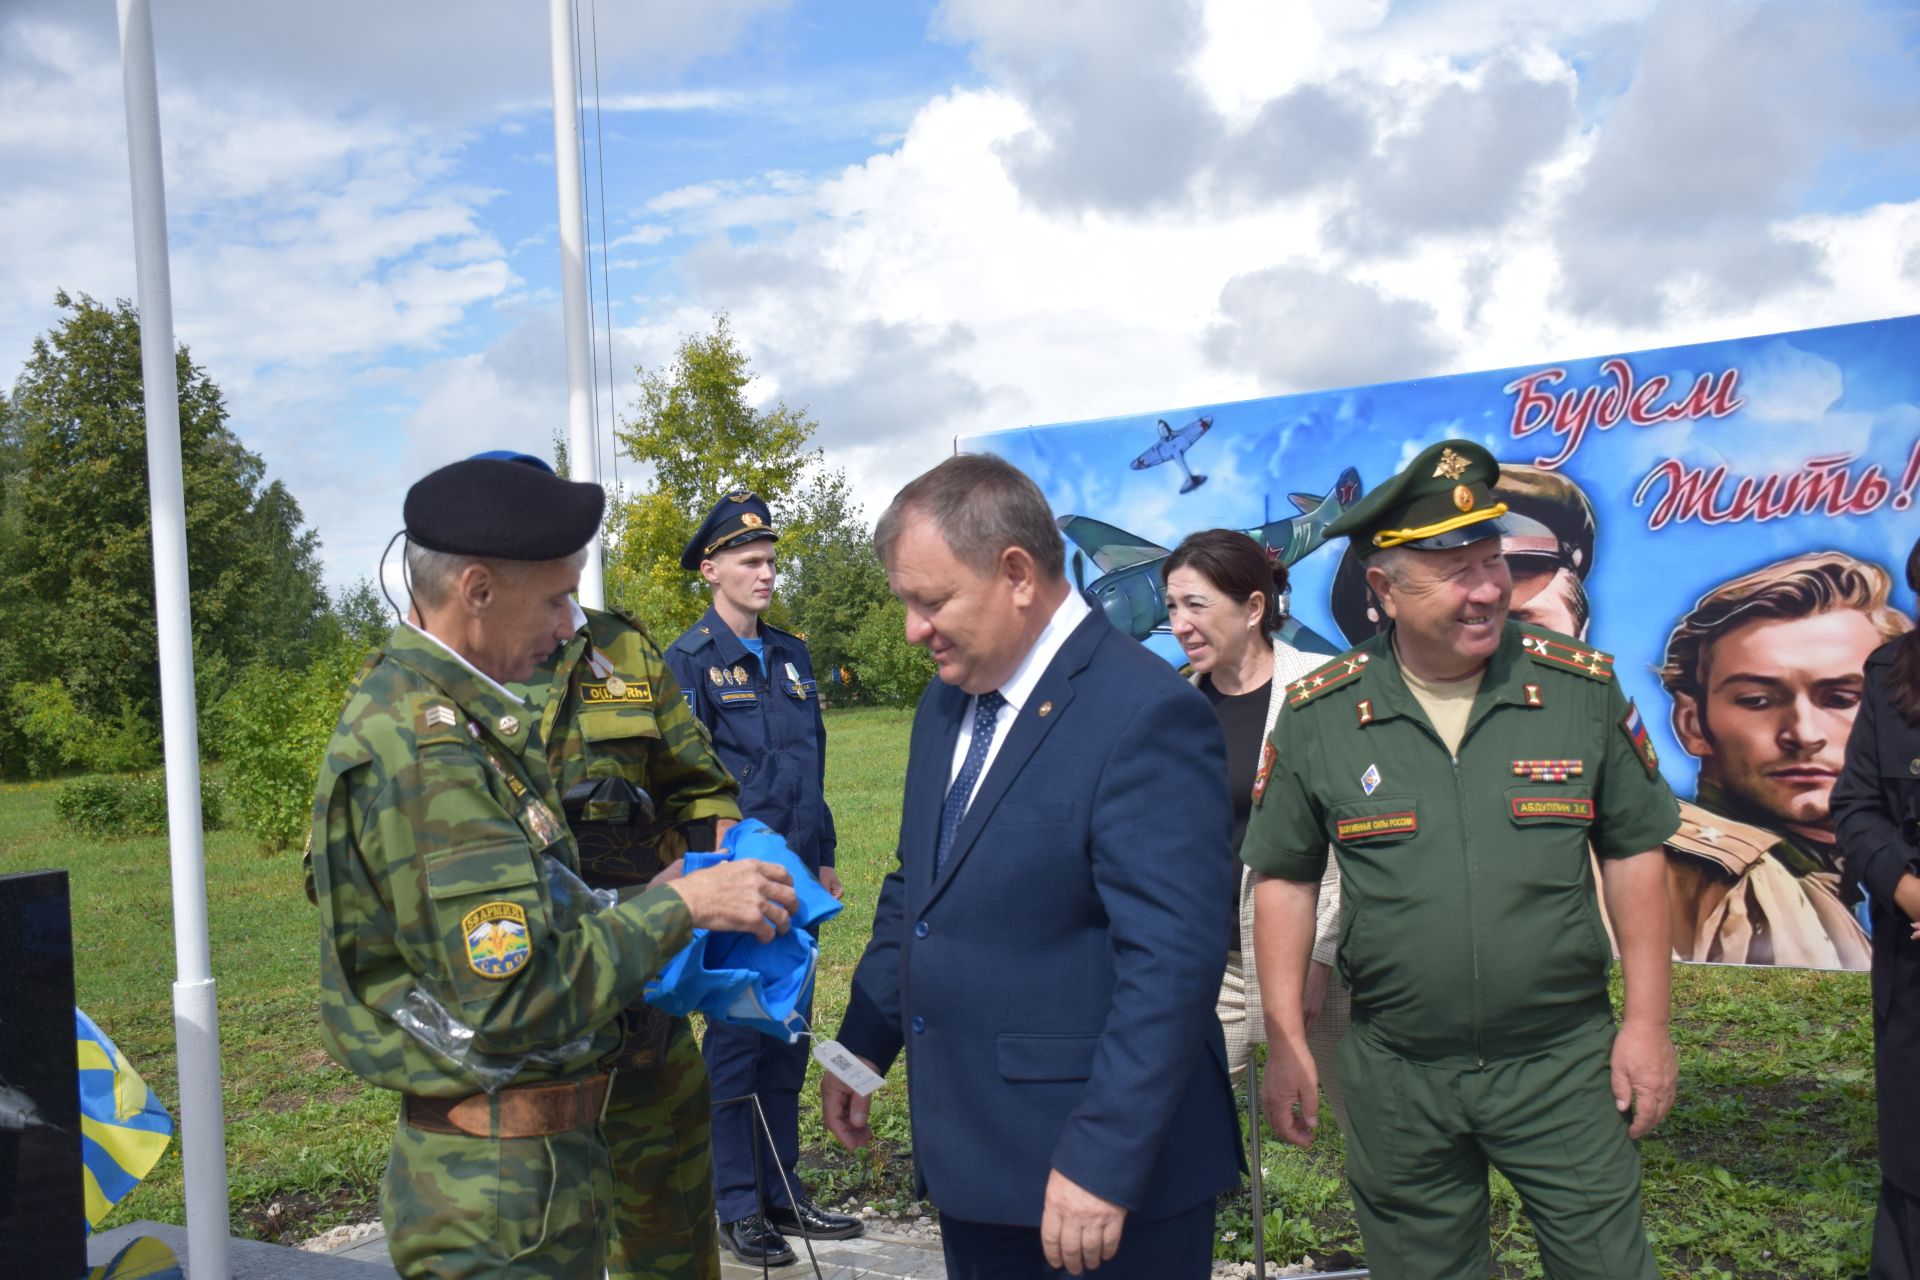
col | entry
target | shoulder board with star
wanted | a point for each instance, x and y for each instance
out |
(1551, 649)
(1734, 847)
(1338, 674)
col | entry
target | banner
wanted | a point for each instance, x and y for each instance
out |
(1731, 520)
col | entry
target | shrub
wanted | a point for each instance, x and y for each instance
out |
(136, 805)
(60, 736)
(271, 730)
(886, 668)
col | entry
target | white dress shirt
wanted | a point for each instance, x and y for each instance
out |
(1019, 687)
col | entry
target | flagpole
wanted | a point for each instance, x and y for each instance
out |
(196, 1025)
(583, 449)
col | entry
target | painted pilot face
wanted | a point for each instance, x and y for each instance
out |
(1781, 694)
(742, 577)
(1214, 630)
(1448, 607)
(970, 622)
(1543, 596)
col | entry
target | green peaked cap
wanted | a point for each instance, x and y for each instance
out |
(1443, 498)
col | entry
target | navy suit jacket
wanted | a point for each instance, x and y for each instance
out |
(1054, 985)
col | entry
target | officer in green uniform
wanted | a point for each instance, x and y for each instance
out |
(463, 963)
(1460, 764)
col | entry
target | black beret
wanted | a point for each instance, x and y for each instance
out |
(738, 517)
(502, 510)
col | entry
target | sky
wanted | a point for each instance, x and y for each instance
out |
(929, 220)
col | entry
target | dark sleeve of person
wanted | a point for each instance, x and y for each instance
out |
(1869, 835)
(1161, 884)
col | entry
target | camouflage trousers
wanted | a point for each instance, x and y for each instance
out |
(658, 1135)
(631, 1199)
(461, 1208)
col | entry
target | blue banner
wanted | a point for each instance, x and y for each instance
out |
(1730, 519)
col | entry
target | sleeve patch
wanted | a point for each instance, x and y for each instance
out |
(1268, 756)
(496, 938)
(1636, 730)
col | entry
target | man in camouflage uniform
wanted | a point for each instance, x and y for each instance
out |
(635, 771)
(463, 964)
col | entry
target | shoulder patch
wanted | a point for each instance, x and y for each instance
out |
(1567, 656)
(1636, 730)
(1341, 671)
(496, 938)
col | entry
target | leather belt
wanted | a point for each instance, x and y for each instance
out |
(517, 1111)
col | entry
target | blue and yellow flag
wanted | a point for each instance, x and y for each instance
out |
(123, 1128)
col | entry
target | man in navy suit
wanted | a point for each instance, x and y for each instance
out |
(1049, 948)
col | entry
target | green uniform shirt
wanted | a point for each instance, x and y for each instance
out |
(1469, 924)
(609, 707)
(435, 829)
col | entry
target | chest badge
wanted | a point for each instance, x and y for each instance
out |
(713, 674)
(739, 675)
(1370, 780)
(616, 687)
(1548, 770)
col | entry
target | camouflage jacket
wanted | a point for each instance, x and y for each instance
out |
(610, 708)
(439, 865)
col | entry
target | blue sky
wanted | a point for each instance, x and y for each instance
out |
(930, 220)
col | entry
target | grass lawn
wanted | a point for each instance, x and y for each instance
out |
(1765, 1168)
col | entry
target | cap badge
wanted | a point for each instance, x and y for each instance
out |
(1451, 465)
(740, 495)
(750, 520)
(1463, 497)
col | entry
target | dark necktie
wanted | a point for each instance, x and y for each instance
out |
(986, 709)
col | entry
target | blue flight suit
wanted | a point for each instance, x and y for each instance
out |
(768, 731)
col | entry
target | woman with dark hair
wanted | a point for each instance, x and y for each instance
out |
(1876, 810)
(1225, 602)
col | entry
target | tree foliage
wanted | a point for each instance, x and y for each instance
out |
(76, 544)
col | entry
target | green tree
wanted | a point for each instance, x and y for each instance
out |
(77, 548)
(691, 424)
(837, 583)
(886, 668)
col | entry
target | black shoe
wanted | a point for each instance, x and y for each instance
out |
(809, 1219)
(755, 1242)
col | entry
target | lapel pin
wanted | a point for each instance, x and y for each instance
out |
(1046, 709)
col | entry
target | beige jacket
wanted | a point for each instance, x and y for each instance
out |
(1289, 664)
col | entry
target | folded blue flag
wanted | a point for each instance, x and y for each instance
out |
(124, 1130)
(735, 977)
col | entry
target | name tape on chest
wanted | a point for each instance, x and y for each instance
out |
(1373, 826)
(616, 690)
(1562, 808)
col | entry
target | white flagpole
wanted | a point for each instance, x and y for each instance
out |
(583, 448)
(196, 1027)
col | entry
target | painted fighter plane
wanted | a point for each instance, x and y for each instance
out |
(1172, 447)
(1131, 592)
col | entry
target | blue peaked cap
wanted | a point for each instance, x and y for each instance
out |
(735, 977)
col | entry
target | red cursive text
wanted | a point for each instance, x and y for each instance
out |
(1615, 398)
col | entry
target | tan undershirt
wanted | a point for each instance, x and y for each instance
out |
(1447, 703)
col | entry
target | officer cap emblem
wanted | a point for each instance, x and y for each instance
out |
(1450, 466)
(1463, 497)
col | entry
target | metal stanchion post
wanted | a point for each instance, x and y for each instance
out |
(1253, 1163)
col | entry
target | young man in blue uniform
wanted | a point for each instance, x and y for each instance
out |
(752, 685)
